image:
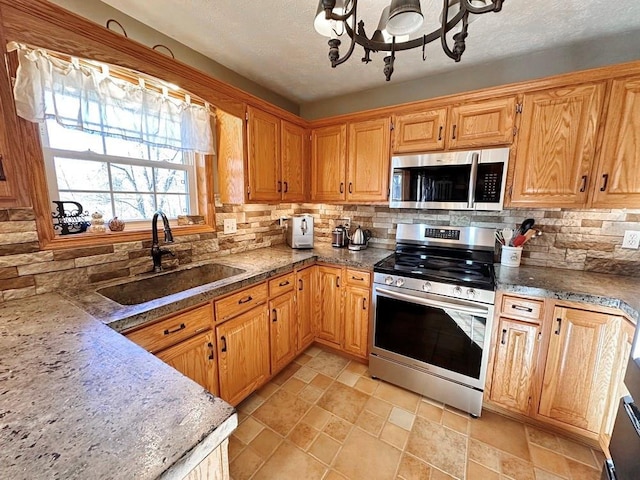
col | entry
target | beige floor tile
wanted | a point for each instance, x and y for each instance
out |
(317, 417)
(245, 464)
(357, 367)
(248, 430)
(484, 454)
(265, 443)
(413, 469)
(268, 389)
(348, 378)
(343, 401)
(305, 374)
(516, 468)
(440, 475)
(333, 475)
(303, 359)
(439, 446)
(502, 433)
(365, 457)
(303, 435)
(370, 422)
(394, 435)
(379, 407)
(321, 381)
(480, 472)
(313, 351)
(579, 452)
(544, 475)
(324, 448)
(311, 394)
(548, 460)
(455, 422)
(281, 412)
(401, 418)
(250, 403)
(367, 385)
(338, 428)
(542, 438)
(290, 463)
(286, 373)
(579, 471)
(398, 396)
(430, 412)
(327, 363)
(235, 447)
(294, 385)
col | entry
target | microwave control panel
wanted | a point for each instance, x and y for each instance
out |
(489, 183)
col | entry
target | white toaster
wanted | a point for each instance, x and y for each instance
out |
(300, 231)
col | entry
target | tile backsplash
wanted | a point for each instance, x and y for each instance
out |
(573, 239)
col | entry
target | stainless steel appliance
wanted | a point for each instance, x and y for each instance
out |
(433, 312)
(469, 180)
(625, 438)
(340, 237)
(359, 239)
(300, 231)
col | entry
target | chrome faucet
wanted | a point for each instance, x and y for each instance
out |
(156, 251)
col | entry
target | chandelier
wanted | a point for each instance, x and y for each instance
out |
(398, 21)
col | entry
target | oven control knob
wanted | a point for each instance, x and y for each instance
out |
(400, 282)
(471, 293)
(426, 286)
(388, 280)
(457, 291)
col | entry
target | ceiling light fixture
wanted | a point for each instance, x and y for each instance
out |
(398, 21)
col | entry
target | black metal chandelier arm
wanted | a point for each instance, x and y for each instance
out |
(443, 30)
(328, 10)
(494, 6)
(333, 47)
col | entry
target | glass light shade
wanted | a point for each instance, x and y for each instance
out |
(405, 17)
(326, 27)
(454, 8)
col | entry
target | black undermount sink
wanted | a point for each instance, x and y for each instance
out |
(152, 288)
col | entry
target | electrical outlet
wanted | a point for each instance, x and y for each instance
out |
(230, 225)
(283, 221)
(631, 239)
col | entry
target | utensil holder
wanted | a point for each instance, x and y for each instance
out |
(511, 256)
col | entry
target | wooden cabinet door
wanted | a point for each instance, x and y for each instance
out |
(419, 131)
(195, 358)
(305, 284)
(617, 180)
(282, 313)
(482, 124)
(515, 358)
(368, 160)
(263, 139)
(556, 146)
(329, 308)
(293, 147)
(243, 354)
(580, 362)
(356, 321)
(328, 163)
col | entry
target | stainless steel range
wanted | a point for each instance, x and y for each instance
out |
(433, 312)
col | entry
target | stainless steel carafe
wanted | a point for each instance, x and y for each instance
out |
(359, 239)
(339, 237)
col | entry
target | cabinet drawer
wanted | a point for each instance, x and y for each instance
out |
(280, 285)
(240, 302)
(358, 278)
(522, 307)
(175, 329)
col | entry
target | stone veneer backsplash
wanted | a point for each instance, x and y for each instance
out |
(572, 239)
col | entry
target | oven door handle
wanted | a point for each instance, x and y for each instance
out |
(450, 305)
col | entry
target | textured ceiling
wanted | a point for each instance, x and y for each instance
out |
(275, 44)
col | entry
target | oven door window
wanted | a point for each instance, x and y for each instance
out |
(445, 338)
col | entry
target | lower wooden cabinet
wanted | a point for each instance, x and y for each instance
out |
(356, 320)
(305, 298)
(282, 313)
(329, 308)
(195, 358)
(243, 354)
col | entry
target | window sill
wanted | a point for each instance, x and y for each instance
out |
(107, 238)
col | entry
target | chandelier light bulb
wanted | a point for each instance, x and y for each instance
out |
(405, 17)
(329, 28)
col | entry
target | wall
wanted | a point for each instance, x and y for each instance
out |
(100, 12)
(581, 56)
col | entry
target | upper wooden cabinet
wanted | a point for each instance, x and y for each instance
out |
(472, 125)
(328, 163)
(368, 160)
(617, 179)
(556, 146)
(276, 158)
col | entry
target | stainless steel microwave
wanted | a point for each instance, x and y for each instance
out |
(469, 180)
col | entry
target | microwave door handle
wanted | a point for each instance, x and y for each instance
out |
(473, 179)
(451, 305)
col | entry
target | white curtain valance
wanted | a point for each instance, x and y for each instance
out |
(87, 99)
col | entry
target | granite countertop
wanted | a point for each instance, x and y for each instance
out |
(258, 265)
(80, 401)
(595, 288)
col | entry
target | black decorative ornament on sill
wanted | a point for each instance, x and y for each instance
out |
(68, 222)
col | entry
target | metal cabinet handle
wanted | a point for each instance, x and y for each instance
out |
(521, 308)
(453, 135)
(584, 183)
(181, 327)
(605, 177)
(286, 187)
(245, 300)
(341, 187)
(503, 340)
(559, 320)
(279, 186)
(300, 284)
(275, 315)
(440, 133)
(364, 303)
(338, 281)
(224, 344)
(210, 346)
(350, 187)
(361, 279)
(3, 177)
(283, 284)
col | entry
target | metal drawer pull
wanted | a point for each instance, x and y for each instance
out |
(300, 284)
(283, 284)
(360, 279)
(521, 308)
(364, 303)
(453, 137)
(224, 344)
(503, 340)
(210, 345)
(181, 327)
(245, 300)
(275, 315)
(559, 320)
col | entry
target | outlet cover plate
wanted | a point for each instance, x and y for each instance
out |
(230, 225)
(631, 239)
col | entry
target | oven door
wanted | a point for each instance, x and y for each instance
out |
(443, 336)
